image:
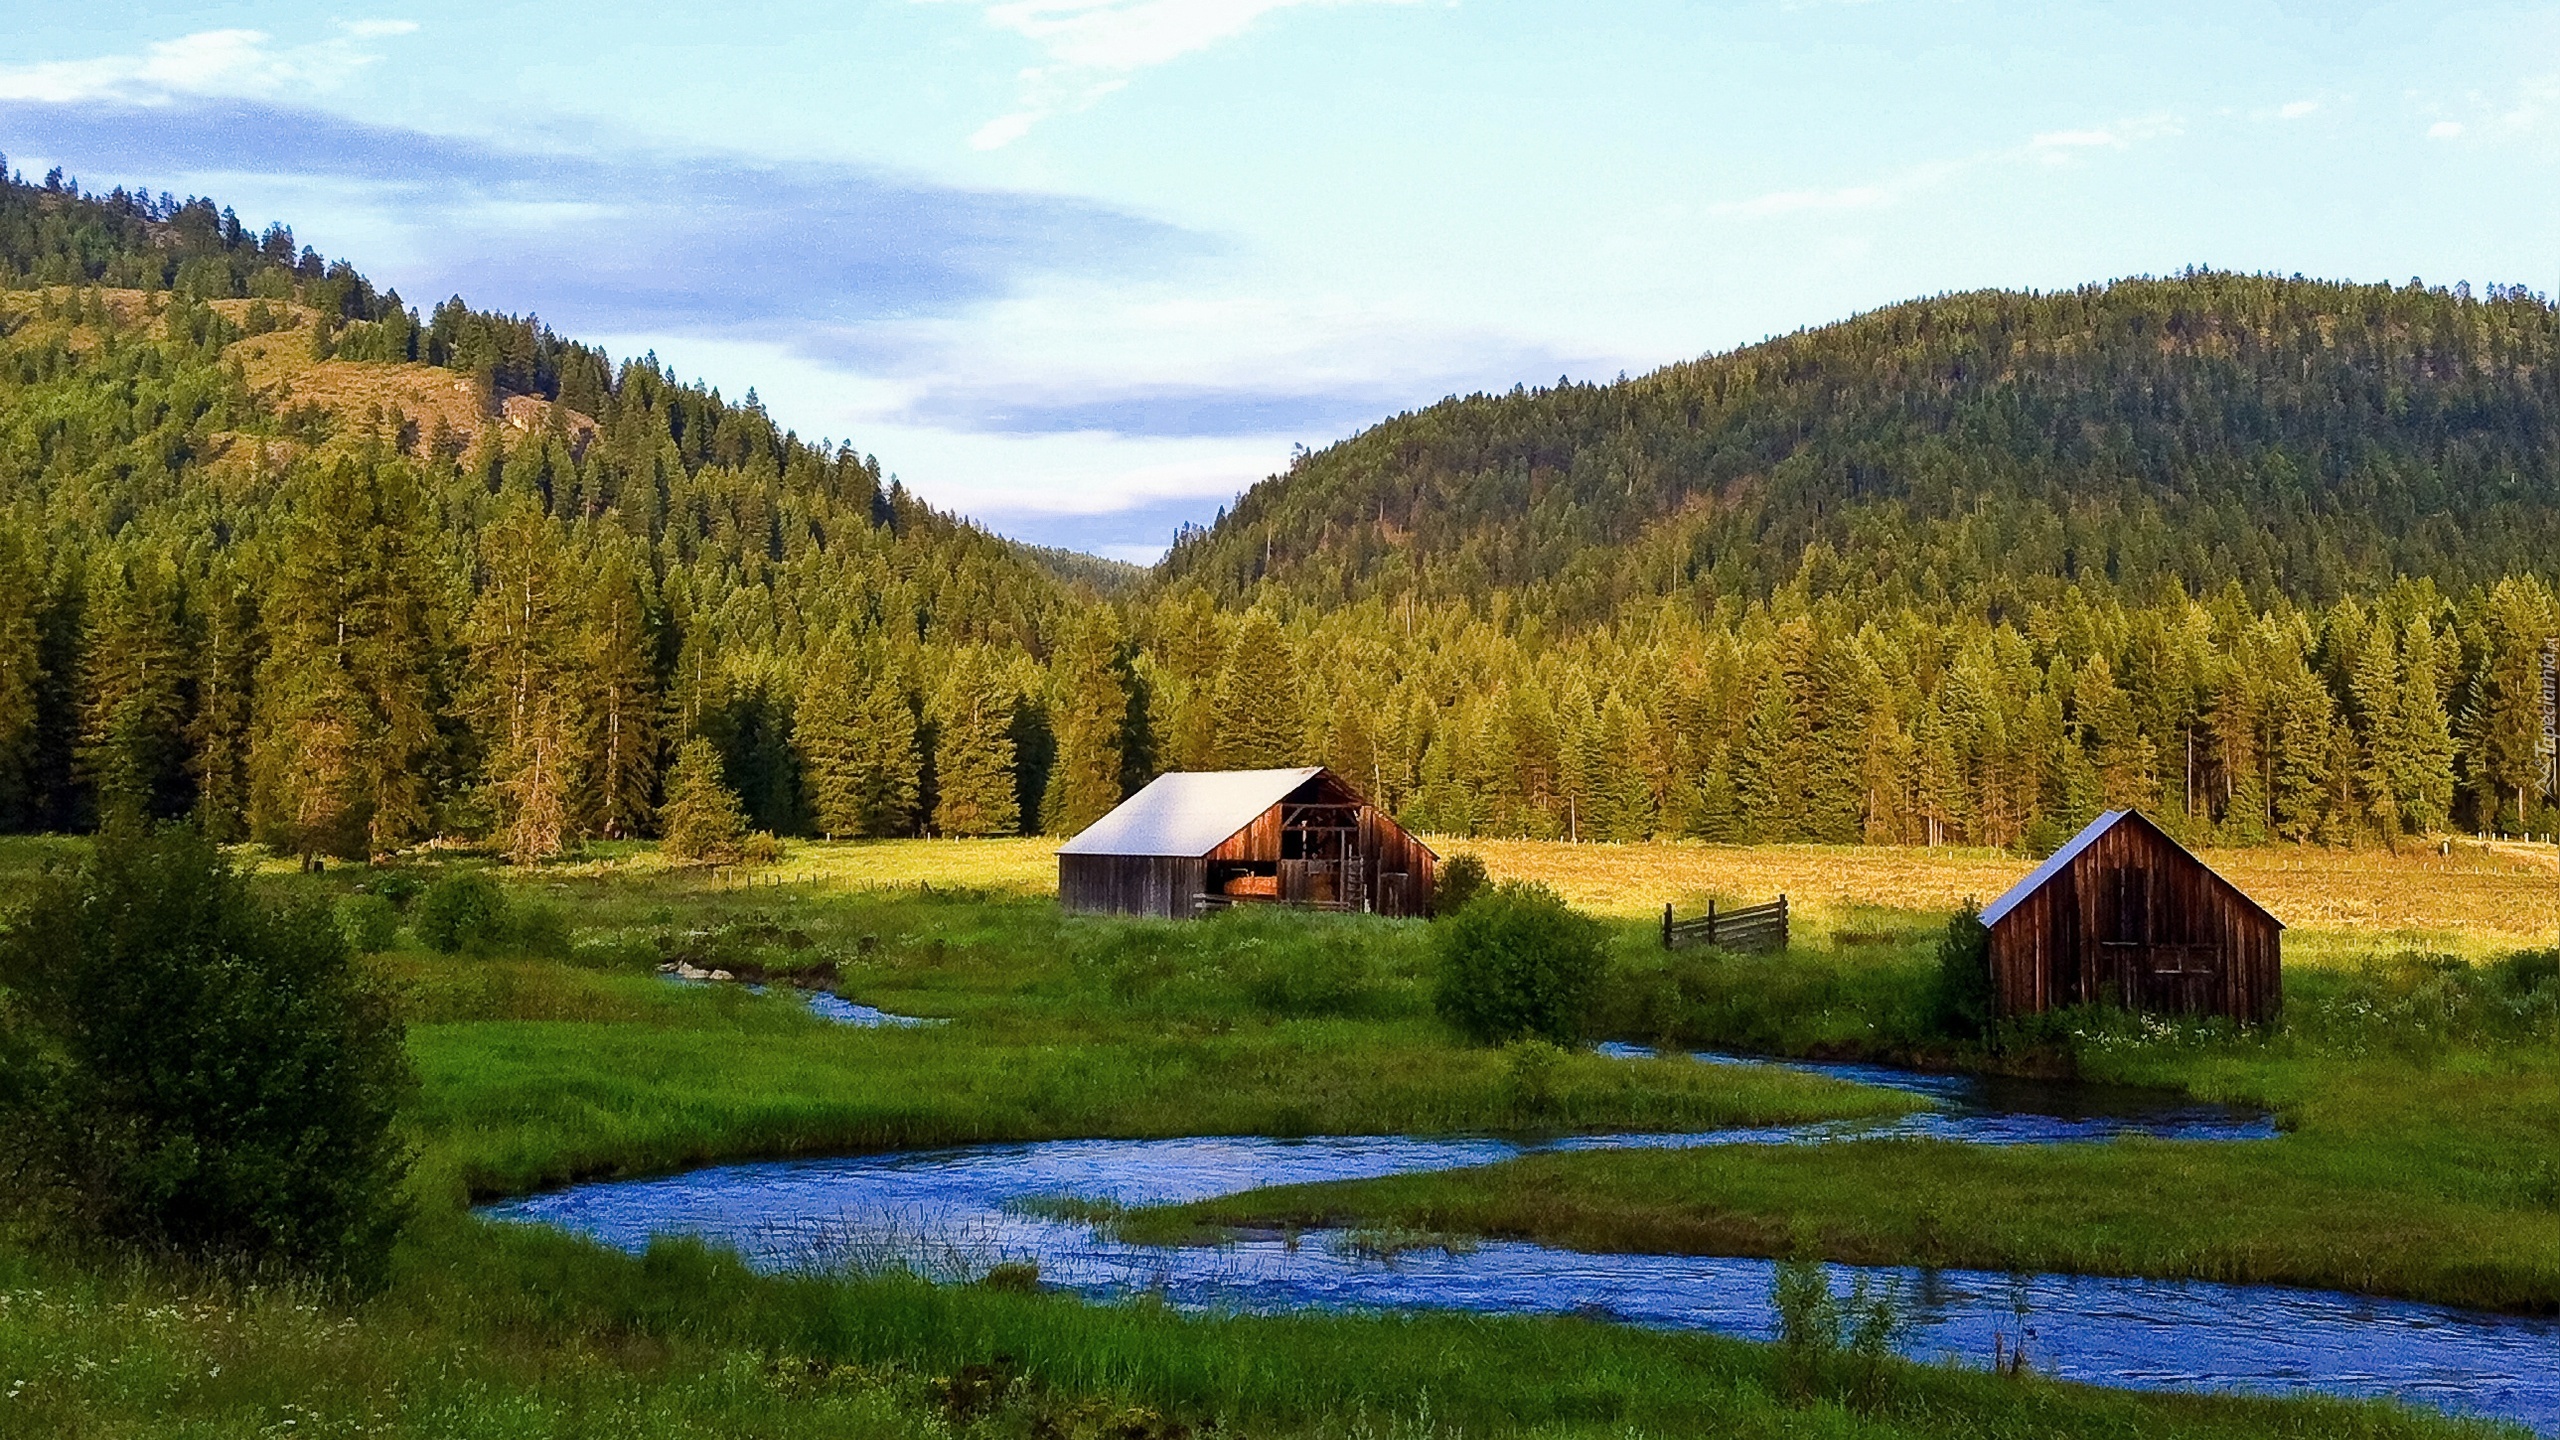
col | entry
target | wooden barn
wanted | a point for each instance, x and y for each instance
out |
(1196, 841)
(2123, 915)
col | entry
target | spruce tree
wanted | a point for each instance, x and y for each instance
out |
(973, 751)
(888, 765)
(218, 737)
(1622, 807)
(2421, 738)
(622, 702)
(1254, 706)
(825, 730)
(21, 672)
(133, 712)
(350, 696)
(1089, 715)
(702, 818)
(528, 678)
(2503, 724)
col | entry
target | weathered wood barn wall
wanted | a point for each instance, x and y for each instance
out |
(1195, 840)
(2123, 915)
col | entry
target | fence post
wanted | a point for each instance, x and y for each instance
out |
(1711, 923)
(1783, 937)
(1666, 927)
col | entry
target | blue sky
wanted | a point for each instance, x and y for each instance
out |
(1084, 269)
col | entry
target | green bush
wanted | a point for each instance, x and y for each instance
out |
(371, 923)
(1517, 963)
(1460, 880)
(1961, 997)
(461, 912)
(200, 1074)
(538, 929)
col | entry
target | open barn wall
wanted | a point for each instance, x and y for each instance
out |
(2133, 920)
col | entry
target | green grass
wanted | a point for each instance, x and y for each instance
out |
(2417, 1156)
(499, 1331)
(563, 1055)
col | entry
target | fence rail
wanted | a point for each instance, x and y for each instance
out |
(1753, 927)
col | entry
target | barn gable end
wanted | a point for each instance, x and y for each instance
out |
(2124, 915)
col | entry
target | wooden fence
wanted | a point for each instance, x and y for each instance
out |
(1753, 927)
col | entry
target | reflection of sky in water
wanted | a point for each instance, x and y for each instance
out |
(959, 1209)
(829, 1006)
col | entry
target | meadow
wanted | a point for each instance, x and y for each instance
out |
(558, 1052)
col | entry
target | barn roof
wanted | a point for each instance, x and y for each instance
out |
(2061, 860)
(1188, 813)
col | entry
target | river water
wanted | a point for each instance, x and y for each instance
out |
(958, 1211)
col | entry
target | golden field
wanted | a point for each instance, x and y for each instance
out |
(2479, 898)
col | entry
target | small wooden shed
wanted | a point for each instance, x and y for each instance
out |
(2124, 915)
(1198, 840)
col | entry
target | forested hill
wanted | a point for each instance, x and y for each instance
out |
(2305, 439)
(279, 551)
(284, 556)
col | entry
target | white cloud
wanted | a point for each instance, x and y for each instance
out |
(1093, 45)
(206, 63)
(2444, 129)
(2297, 109)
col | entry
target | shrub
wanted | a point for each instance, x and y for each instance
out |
(761, 848)
(1460, 880)
(537, 929)
(370, 922)
(1961, 997)
(1516, 963)
(201, 1074)
(459, 912)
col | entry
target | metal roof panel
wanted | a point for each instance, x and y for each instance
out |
(1188, 813)
(2054, 865)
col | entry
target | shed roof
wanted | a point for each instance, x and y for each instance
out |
(2061, 860)
(1188, 813)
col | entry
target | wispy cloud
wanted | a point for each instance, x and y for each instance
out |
(648, 239)
(2297, 109)
(2052, 147)
(2061, 147)
(1092, 47)
(239, 63)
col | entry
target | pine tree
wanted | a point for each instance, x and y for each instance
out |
(1622, 807)
(529, 678)
(622, 702)
(1255, 702)
(21, 673)
(2375, 714)
(888, 766)
(702, 818)
(133, 713)
(826, 731)
(218, 737)
(2503, 743)
(973, 751)
(349, 697)
(2421, 738)
(1089, 714)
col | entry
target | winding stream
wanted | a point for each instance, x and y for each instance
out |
(958, 1211)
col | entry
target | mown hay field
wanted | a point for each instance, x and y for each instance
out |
(2478, 898)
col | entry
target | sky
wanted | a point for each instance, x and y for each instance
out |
(1084, 270)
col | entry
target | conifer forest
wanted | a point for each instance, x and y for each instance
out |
(317, 566)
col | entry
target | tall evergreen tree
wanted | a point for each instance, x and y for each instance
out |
(1089, 714)
(826, 731)
(133, 713)
(21, 672)
(2503, 743)
(1254, 704)
(526, 661)
(973, 750)
(622, 703)
(349, 696)
(702, 817)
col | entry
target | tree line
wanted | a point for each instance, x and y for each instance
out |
(331, 633)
